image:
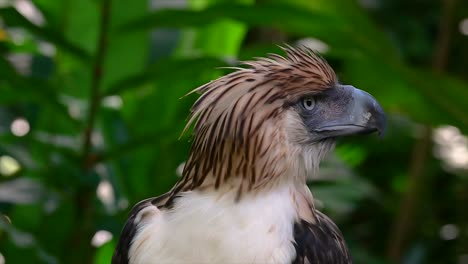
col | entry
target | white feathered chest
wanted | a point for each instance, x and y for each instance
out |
(209, 228)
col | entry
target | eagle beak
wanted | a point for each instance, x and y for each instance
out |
(362, 114)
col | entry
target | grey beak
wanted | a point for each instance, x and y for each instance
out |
(362, 114)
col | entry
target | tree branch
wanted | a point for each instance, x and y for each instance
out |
(80, 239)
(94, 95)
(442, 45)
(409, 203)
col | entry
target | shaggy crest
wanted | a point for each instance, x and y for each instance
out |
(237, 135)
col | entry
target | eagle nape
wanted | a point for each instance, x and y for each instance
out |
(259, 133)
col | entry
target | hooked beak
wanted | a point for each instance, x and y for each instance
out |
(362, 114)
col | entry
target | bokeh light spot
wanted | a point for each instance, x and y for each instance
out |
(100, 238)
(8, 165)
(105, 193)
(463, 259)
(123, 204)
(20, 127)
(464, 26)
(7, 218)
(30, 11)
(451, 147)
(180, 169)
(449, 232)
(47, 49)
(314, 44)
(113, 102)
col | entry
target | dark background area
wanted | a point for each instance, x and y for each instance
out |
(91, 113)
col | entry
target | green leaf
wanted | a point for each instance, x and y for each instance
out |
(104, 253)
(81, 23)
(289, 18)
(222, 38)
(13, 18)
(267, 14)
(444, 92)
(126, 54)
(342, 196)
(168, 69)
(18, 88)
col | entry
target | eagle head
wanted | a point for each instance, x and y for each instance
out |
(273, 121)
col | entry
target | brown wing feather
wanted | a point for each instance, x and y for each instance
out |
(320, 242)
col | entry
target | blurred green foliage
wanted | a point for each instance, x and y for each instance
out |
(91, 114)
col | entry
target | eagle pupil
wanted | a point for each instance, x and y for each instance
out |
(308, 103)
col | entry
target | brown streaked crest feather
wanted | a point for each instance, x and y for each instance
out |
(238, 135)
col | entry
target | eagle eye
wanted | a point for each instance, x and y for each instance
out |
(308, 103)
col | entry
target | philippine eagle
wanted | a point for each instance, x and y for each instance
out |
(259, 133)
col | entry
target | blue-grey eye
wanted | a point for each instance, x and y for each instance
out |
(308, 103)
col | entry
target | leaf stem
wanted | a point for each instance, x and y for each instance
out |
(80, 239)
(97, 71)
